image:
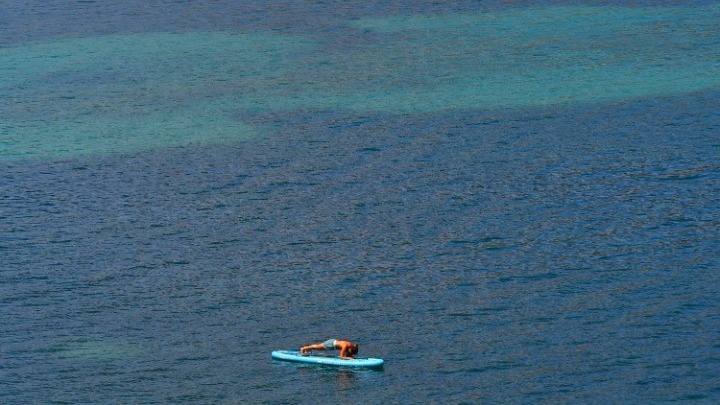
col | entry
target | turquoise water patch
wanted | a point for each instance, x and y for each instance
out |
(535, 57)
(95, 350)
(513, 58)
(135, 92)
(108, 134)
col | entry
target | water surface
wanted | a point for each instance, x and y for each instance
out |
(506, 203)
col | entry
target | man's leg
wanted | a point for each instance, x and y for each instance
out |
(314, 346)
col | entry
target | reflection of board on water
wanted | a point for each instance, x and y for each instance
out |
(296, 356)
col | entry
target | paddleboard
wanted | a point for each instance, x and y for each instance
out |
(294, 355)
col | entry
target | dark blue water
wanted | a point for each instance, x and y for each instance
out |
(508, 250)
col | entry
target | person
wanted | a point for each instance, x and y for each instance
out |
(348, 350)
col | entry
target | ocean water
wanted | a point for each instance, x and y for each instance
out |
(507, 202)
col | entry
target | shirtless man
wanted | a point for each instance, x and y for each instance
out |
(348, 350)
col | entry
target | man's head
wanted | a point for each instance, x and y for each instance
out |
(354, 349)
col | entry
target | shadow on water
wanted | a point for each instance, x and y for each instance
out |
(343, 378)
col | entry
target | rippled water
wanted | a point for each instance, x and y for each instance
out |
(506, 203)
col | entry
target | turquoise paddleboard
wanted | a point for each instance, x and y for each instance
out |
(294, 355)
